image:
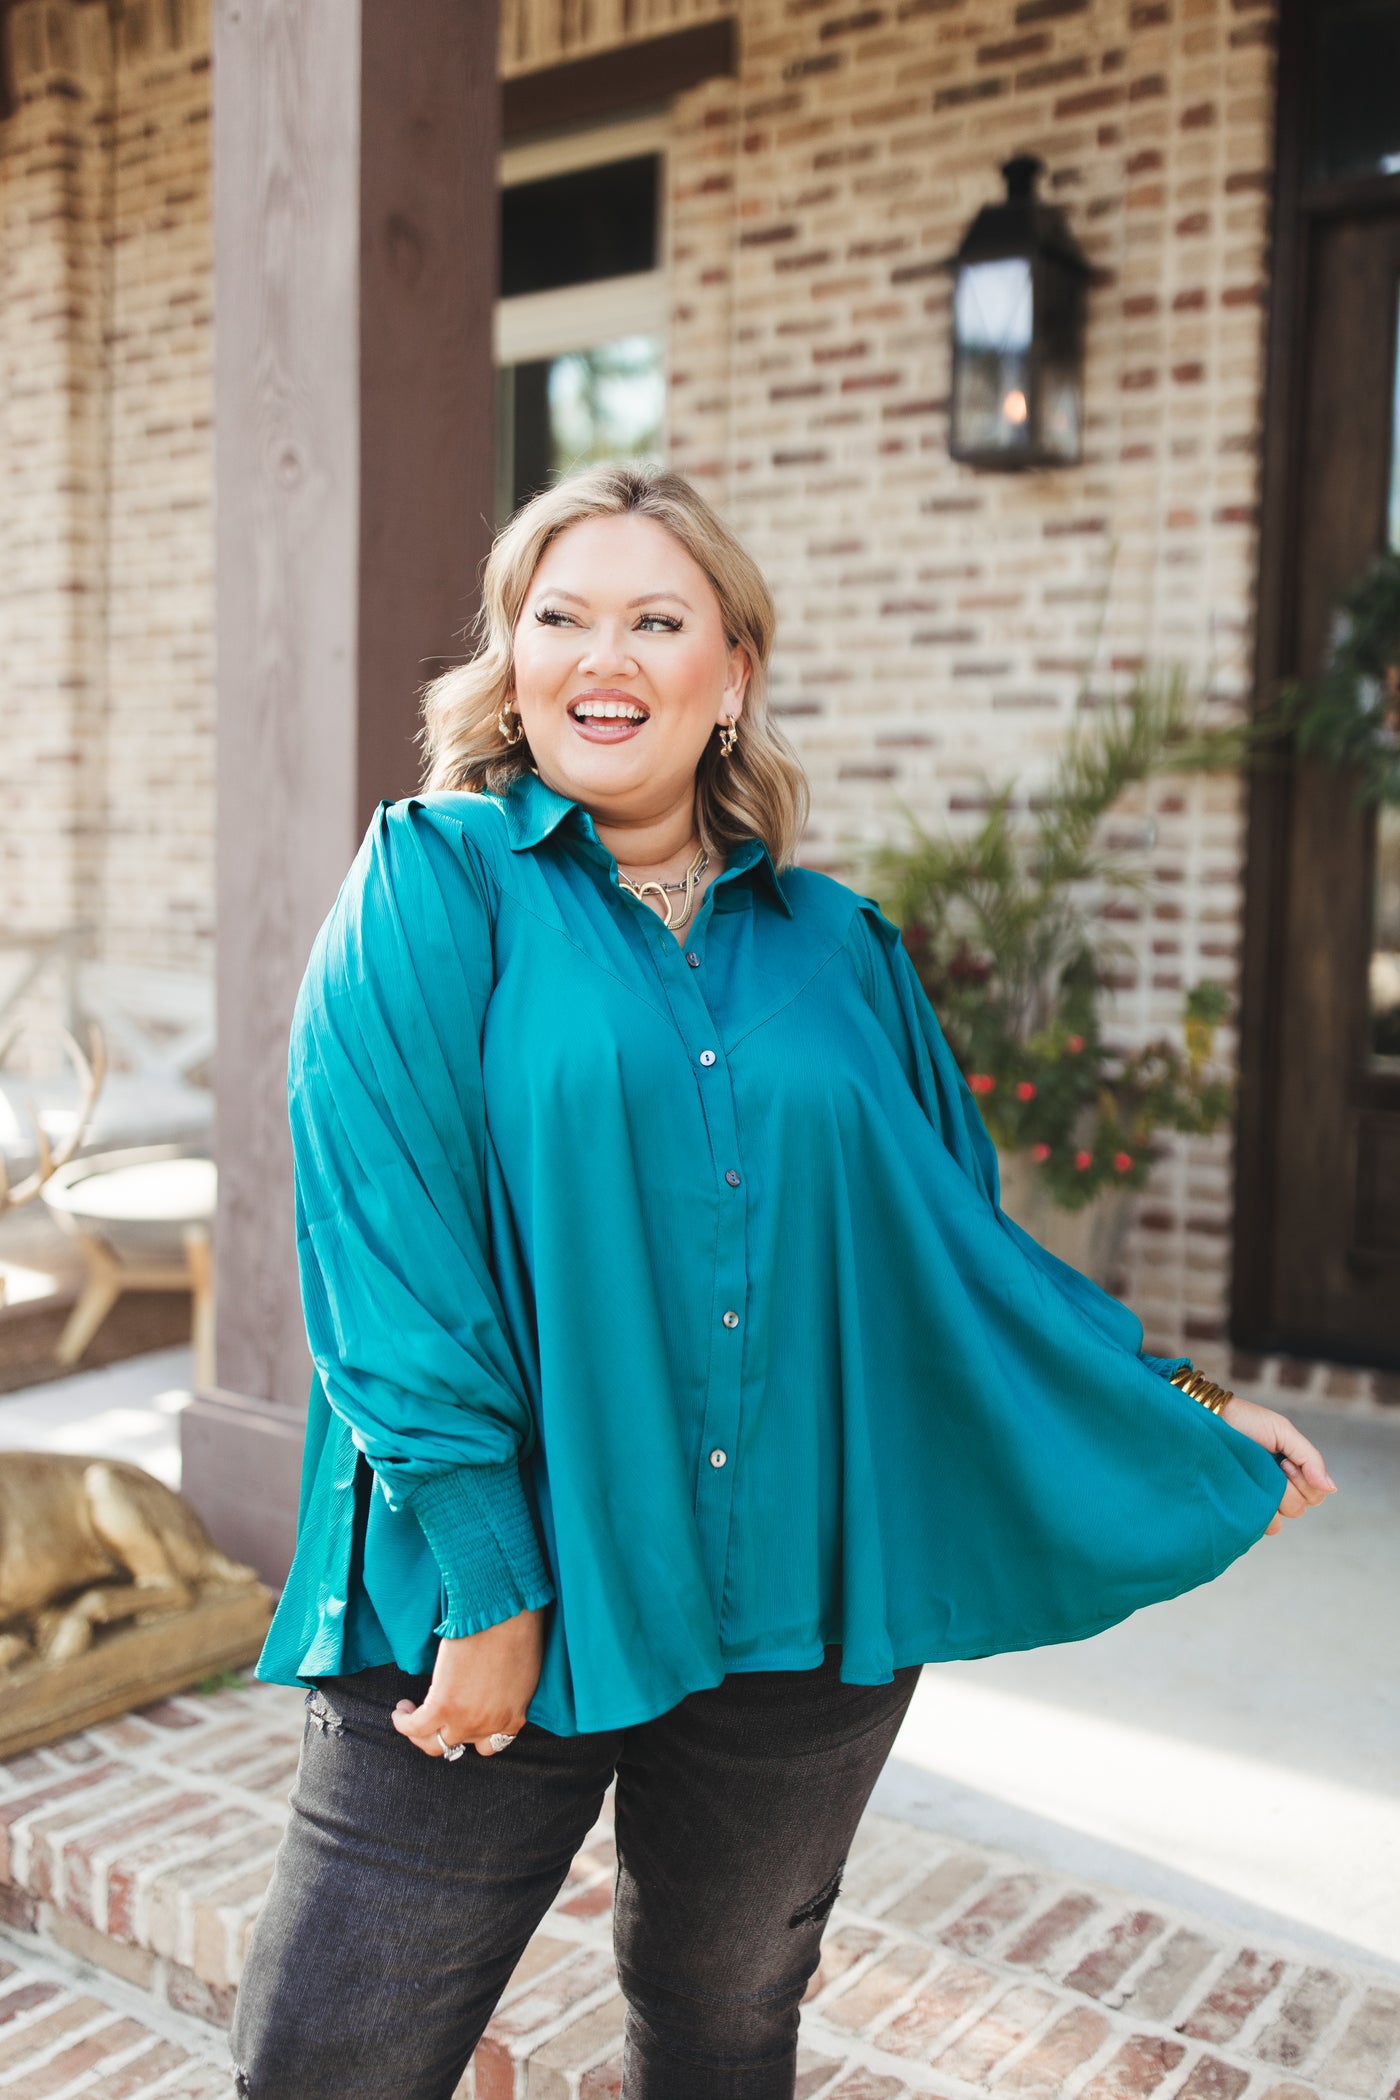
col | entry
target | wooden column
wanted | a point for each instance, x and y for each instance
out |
(355, 259)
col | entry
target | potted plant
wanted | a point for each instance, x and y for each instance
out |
(1010, 930)
(1350, 715)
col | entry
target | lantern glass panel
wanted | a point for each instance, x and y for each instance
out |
(993, 317)
(1059, 410)
(1061, 363)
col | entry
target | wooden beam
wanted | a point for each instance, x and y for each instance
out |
(588, 90)
(355, 274)
(429, 269)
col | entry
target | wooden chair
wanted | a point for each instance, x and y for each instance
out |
(159, 1028)
(142, 1216)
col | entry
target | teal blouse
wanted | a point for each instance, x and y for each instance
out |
(667, 1285)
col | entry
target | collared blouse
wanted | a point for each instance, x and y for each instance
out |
(665, 1284)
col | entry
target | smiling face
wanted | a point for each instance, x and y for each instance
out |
(622, 666)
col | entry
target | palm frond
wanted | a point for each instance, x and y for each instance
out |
(1015, 902)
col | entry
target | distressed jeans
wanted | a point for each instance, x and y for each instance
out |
(406, 1887)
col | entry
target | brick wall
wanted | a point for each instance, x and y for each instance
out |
(106, 474)
(936, 624)
(50, 408)
(160, 734)
(537, 33)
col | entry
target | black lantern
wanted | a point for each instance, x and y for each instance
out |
(1019, 280)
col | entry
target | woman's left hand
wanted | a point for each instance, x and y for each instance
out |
(1309, 1481)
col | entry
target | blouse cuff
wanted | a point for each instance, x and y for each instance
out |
(1166, 1366)
(481, 1533)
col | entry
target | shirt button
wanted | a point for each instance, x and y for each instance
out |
(732, 1178)
(718, 1458)
(707, 1057)
(692, 958)
(731, 1319)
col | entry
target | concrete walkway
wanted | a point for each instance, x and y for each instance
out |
(1236, 1751)
(126, 1410)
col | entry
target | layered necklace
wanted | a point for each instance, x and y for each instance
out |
(639, 889)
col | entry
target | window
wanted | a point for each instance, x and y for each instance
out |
(1353, 68)
(580, 323)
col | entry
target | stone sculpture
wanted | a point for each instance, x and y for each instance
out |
(92, 1542)
(112, 1594)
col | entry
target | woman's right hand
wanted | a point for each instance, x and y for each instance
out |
(1302, 1464)
(481, 1687)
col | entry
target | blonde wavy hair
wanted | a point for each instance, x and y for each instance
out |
(759, 789)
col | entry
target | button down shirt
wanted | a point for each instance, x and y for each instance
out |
(665, 1285)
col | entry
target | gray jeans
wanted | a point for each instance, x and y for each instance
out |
(406, 1888)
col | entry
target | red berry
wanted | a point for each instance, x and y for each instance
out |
(1122, 1160)
(1025, 1090)
(1076, 1043)
(981, 1082)
(1040, 1152)
(1083, 1160)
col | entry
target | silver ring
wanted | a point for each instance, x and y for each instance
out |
(500, 1741)
(450, 1751)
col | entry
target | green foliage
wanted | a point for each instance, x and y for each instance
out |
(222, 1681)
(1007, 931)
(1351, 714)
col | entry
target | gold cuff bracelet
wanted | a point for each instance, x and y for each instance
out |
(1203, 1389)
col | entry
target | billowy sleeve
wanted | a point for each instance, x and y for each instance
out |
(906, 1013)
(388, 1121)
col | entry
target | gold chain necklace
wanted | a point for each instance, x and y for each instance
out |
(639, 889)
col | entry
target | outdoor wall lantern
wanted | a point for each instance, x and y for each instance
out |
(1019, 281)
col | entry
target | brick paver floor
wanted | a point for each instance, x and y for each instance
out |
(949, 1969)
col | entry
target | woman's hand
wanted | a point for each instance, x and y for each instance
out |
(1309, 1481)
(481, 1687)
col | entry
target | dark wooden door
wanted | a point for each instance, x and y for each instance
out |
(1334, 1223)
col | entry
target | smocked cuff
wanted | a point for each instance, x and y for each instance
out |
(478, 1524)
(1166, 1366)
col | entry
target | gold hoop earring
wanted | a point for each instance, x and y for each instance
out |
(728, 737)
(505, 733)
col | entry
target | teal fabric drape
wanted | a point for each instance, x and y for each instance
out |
(667, 1285)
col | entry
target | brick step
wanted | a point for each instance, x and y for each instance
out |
(143, 1848)
(66, 2028)
(145, 1844)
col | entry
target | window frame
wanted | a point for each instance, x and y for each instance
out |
(537, 325)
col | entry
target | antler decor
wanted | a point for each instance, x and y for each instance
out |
(91, 1070)
(112, 1594)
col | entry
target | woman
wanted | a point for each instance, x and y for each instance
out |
(680, 1387)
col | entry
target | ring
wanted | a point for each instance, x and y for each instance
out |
(450, 1751)
(500, 1741)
